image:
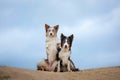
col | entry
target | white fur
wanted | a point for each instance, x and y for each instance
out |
(54, 65)
(68, 66)
(66, 44)
(64, 55)
(58, 66)
(51, 48)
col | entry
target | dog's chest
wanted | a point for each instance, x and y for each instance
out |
(51, 48)
(51, 45)
(64, 56)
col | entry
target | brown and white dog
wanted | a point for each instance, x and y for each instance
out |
(52, 43)
(64, 61)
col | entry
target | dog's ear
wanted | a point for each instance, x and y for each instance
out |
(62, 36)
(46, 27)
(71, 38)
(56, 27)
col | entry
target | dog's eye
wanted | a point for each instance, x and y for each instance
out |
(49, 30)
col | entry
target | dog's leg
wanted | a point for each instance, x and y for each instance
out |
(58, 66)
(48, 57)
(54, 65)
(68, 66)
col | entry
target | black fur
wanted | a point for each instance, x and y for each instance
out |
(57, 55)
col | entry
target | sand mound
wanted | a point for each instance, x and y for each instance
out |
(11, 73)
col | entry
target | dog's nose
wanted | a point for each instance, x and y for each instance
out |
(65, 46)
(51, 34)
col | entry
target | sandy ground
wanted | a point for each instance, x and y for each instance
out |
(11, 73)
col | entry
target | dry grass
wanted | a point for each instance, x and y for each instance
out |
(10, 73)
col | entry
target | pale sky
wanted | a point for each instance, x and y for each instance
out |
(94, 23)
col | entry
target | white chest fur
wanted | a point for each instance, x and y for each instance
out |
(51, 48)
(64, 55)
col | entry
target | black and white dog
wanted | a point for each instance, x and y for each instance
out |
(64, 63)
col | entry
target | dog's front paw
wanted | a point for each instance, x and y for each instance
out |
(69, 70)
(58, 70)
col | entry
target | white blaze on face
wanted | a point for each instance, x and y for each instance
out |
(66, 45)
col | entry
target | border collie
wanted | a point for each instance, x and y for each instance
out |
(64, 62)
(52, 43)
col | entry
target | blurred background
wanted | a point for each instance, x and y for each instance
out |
(94, 23)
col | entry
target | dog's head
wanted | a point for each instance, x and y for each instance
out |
(51, 31)
(66, 42)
